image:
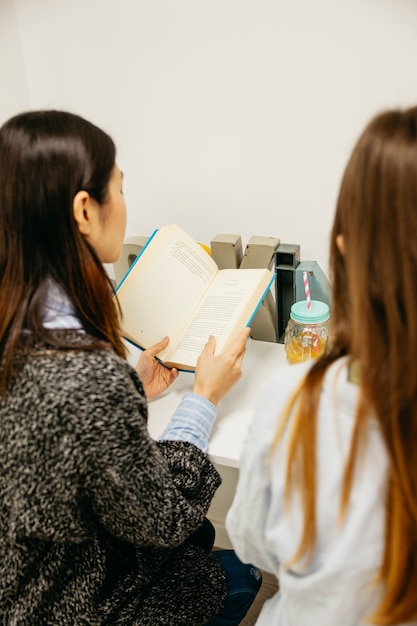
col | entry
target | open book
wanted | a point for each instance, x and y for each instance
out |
(174, 288)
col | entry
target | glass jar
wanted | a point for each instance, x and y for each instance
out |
(307, 331)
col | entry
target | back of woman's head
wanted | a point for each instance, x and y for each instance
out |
(46, 157)
(375, 315)
(373, 260)
(374, 305)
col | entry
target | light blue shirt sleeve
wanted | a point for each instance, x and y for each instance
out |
(191, 422)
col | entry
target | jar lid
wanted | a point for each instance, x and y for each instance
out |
(319, 312)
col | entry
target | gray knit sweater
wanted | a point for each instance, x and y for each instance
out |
(93, 512)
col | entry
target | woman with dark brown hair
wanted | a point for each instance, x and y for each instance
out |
(99, 523)
(327, 497)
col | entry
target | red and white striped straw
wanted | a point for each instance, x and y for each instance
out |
(307, 290)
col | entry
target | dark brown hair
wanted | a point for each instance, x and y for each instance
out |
(374, 318)
(46, 157)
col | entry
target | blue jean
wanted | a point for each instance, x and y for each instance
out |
(243, 583)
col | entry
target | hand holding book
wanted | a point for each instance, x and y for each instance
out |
(215, 375)
(155, 376)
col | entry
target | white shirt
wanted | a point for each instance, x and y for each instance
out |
(336, 587)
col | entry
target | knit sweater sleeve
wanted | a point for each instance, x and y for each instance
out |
(142, 491)
(192, 421)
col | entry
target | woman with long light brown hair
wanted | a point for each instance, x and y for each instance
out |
(327, 498)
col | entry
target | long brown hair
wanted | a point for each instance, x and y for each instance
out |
(374, 318)
(46, 157)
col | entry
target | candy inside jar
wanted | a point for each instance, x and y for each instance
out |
(307, 331)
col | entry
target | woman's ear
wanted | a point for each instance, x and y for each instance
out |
(340, 243)
(82, 212)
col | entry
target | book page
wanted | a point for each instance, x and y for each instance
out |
(163, 287)
(226, 309)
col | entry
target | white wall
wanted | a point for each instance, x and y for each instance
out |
(14, 92)
(231, 116)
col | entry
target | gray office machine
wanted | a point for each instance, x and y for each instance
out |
(130, 250)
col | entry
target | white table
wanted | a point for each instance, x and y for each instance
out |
(236, 411)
